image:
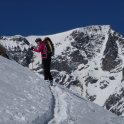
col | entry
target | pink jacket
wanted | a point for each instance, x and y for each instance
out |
(41, 49)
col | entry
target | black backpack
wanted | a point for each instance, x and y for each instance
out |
(49, 46)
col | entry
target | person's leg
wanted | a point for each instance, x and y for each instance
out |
(48, 68)
(44, 63)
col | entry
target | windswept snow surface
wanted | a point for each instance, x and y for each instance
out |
(26, 99)
(73, 109)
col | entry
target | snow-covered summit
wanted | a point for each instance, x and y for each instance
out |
(27, 99)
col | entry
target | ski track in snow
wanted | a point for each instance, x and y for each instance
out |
(61, 111)
(54, 100)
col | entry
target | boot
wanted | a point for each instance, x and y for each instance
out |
(51, 82)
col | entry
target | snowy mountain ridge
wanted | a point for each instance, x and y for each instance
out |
(88, 61)
(27, 99)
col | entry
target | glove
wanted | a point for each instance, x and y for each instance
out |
(32, 48)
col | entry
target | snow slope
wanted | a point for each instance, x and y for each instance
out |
(73, 109)
(26, 99)
(23, 97)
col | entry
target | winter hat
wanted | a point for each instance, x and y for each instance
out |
(38, 40)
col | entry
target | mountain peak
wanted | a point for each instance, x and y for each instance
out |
(88, 60)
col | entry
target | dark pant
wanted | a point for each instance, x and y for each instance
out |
(46, 67)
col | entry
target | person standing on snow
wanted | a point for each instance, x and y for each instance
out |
(46, 58)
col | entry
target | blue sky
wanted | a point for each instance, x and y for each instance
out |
(43, 17)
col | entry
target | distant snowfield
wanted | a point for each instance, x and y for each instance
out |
(26, 99)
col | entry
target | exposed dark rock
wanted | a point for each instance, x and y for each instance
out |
(114, 103)
(92, 98)
(62, 65)
(3, 51)
(111, 53)
(112, 78)
(77, 57)
(23, 57)
(90, 80)
(104, 84)
(22, 39)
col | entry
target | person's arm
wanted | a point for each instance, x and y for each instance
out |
(37, 49)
